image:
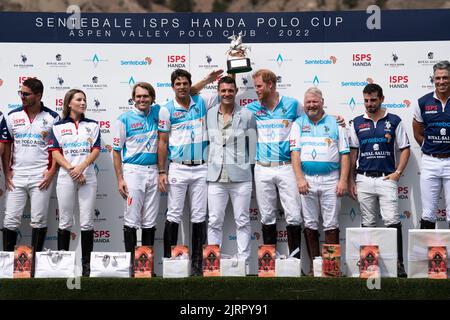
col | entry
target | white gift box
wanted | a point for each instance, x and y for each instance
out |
(179, 268)
(6, 264)
(232, 267)
(384, 238)
(290, 267)
(317, 267)
(110, 264)
(419, 241)
(54, 264)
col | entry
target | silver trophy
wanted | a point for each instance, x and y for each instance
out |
(237, 62)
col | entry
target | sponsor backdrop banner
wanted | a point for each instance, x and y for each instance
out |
(106, 54)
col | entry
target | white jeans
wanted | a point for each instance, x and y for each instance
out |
(68, 192)
(240, 194)
(191, 179)
(17, 198)
(321, 199)
(142, 205)
(434, 176)
(267, 181)
(370, 190)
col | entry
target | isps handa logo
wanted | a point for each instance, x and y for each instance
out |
(176, 61)
(362, 59)
(403, 192)
(398, 81)
(102, 236)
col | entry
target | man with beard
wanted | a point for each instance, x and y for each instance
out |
(374, 137)
(28, 169)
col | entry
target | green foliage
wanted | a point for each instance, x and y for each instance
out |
(181, 5)
(351, 3)
(220, 6)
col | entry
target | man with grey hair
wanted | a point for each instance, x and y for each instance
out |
(431, 125)
(320, 159)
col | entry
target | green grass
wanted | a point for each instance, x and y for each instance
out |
(248, 288)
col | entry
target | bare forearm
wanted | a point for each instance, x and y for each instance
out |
(117, 162)
(352, 164)
(59, 158)
(91, 157)
(345, 167)
(162, 155)
(418, 129)
(6, 157)
(403, 161)
(296, 164)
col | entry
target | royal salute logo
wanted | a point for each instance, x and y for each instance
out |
(95, 83)
(428, 59)
(58, 62)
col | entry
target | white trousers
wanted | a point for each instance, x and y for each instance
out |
(374, 195)
(68, 192)
(321, 200)
(16, 199)
(142, 205)
(240, 194)
(267, 181)
(190, 179)
(434, 177)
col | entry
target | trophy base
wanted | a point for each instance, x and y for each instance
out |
(238, 65)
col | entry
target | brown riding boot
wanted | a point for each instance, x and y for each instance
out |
(332, 236)
(312, 244)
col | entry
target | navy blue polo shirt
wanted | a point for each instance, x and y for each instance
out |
(435, 116)
(377, 141)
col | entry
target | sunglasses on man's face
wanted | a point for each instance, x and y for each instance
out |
(24, 94)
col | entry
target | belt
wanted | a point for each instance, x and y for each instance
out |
(373, 174)
(438, 155)
(191, 163)
(273, 163)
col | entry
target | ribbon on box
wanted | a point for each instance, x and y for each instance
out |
(291, 256)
